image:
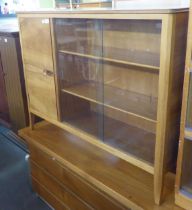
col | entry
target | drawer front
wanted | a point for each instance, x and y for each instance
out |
(61, 193)
(47, 196)
(73, 182)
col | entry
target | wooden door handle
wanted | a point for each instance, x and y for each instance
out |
(47, 72)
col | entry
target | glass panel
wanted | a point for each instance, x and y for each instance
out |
(83, 3)
(62, 4)
(79, 36)
(79, 44)
(189, 106)
(91, 3)
(186, 176)
(108, 77)
(131, 51)
(135, 41)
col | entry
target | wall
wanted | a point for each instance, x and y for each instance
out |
(27, 4)
(151, 4)
(46, 3)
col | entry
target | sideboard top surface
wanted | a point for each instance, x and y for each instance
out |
(109, 173)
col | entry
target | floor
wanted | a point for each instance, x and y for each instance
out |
(15, 187)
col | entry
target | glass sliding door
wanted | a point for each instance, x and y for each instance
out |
(186, 176)
(189, 106)
(186, 171)
(79, 46)
(108, 77)
(131, 60)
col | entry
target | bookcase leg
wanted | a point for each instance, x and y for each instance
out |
(32, 120)
(158, 188)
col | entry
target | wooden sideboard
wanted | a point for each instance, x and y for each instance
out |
(70, 173)
(113, 78)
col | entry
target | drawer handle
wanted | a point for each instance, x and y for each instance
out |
(53, 158)
(47, 72)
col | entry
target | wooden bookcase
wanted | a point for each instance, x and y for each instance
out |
(112, 78)
(183, 192)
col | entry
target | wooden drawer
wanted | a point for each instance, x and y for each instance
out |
(47, 196)
(73, 182)
(64, 195)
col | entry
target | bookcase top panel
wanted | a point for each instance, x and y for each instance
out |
(104, 11)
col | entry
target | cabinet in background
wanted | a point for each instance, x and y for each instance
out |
(183, 192)
(4, 110)
(13, 93)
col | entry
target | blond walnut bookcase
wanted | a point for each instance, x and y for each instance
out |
(113, 78)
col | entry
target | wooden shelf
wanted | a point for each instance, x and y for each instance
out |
(127, 138)
(188, 134)
(106, 59)
(139, 105)
(143, 57)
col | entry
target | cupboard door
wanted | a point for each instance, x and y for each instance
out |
(38, 61)
(41, 90)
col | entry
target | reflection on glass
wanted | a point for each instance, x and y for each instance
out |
(131, 85)
(189, 106)
(79, 36)
(135, 41)
(80, 75)
(186, 176)
(63, 4)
